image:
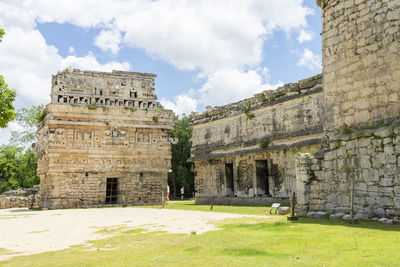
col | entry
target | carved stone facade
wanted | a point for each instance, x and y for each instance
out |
(352, 125)
(104, 140)
(244, 152)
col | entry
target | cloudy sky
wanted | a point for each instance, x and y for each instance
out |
(205, 52)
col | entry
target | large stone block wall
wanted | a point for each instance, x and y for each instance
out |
(98, 126)
(60, 190)
(361, 62)
(369, 158)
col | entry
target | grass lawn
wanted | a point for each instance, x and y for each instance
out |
(189, 205)
(240, 242)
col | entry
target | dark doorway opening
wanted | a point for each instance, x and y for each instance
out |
(230, 190)
(262, 177)
(111, 191)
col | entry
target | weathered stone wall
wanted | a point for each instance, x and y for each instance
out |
(361, 63)
(271, 126)
(21, 198)
(361, 60)
(121, 132)
(211, 178)
(116, 89)
(369, 158)
(75, 189)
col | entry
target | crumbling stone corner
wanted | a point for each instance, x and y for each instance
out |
(303, 178)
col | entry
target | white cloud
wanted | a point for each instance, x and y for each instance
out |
(230, 85)
(222, 87)
(207, 35)
(183, 104)
(222, 40)
(304, 36)
(71, 50)
(309, 60)
(108, 40)
(28, 68)
(90, 62)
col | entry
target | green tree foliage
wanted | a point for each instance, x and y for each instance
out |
(181, 174)
(2, 33)
(17, 168)
(27, 118)
(7, 96)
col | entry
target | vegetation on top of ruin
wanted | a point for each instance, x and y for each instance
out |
(92, 106)
(249, 115)
(259, 100)
(265, 143)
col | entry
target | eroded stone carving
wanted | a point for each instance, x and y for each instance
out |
(100, 126)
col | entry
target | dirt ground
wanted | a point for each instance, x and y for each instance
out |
(28, 232)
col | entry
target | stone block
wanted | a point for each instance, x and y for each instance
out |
(317, 214)
(336, 216)
(365, 162)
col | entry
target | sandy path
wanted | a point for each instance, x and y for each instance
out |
(29, 232)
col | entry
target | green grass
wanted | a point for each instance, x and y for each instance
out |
(241, 242)
(189, 205)
(254, 241)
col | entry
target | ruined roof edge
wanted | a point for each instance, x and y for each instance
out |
(112, 73)
(286, 92)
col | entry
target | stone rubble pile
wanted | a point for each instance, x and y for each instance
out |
(20, 198)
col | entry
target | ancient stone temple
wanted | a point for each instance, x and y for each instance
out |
(103, 140)
(244, 152)
(334, 141)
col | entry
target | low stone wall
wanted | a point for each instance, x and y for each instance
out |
(242, 201)
(21, 198)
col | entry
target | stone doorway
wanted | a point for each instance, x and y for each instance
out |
(112, 191)
(230, 190)
(262, 177)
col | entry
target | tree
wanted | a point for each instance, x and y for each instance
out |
(17, 168)
(28, 119)
(181, 174)
(7, 96)
(2, 33)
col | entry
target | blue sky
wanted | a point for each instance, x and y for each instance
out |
(205, 52)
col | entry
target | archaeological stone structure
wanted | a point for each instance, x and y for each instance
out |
(103, 141)
(334, 141)
(244, 152)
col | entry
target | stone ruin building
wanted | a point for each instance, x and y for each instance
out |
(103, 140)
(244, 152)
(334, 140)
